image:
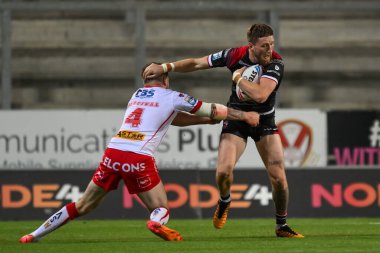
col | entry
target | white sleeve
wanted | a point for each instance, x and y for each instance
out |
(184, 102)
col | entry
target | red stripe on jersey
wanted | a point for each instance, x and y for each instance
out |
(275, 55)
(157, 130)
(197, 106)
(236, 54)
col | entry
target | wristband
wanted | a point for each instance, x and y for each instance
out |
(173, 67)
(163, 65)
(235, 77)
(238, 81)
(213, 111)
(167, 67)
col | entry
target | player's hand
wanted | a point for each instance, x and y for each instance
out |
(252, 118)
(237, 74)
(153, 71)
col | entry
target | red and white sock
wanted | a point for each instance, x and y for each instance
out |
(68, 212)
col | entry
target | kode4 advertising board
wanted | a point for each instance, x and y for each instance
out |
(193, 194)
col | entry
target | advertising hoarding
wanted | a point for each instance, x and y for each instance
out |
(76, 139)
(354, 138)
(338, 192)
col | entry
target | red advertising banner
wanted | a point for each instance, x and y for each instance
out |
(26, 195)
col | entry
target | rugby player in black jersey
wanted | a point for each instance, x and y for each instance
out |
(260, 50)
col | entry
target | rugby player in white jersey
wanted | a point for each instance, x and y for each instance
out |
(129, 155)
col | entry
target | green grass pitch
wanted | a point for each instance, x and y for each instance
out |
(239, 235)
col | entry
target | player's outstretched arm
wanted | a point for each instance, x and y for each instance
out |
(186, 119)
(221, 112)
(187, 65)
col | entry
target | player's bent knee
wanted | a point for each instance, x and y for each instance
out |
(223, 174)
(279, 183)
(160, 215)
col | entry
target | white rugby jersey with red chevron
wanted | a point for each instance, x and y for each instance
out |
(148, 116)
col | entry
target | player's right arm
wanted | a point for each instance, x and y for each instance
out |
(185, 103)
(183, 66)
(186, 119)
(258, 92)
(221, 112)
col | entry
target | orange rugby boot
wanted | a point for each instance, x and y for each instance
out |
(286, 231)
(220, 215)
(28, 239)
(164, 232)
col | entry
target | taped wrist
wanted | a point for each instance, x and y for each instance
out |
(219, 112)
(167, 67)
(236, 77)
(213, 111)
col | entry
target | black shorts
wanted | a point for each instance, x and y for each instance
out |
(267, 126)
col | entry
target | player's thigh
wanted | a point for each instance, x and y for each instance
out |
(92, 196)
(272, 154)
(270, 149)
(231, 147)
(155, 197)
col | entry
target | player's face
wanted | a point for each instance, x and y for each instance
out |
(263, 49)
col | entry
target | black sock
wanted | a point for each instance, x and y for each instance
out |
(225, 198)
(281, 219)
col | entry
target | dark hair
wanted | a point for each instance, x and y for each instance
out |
(257, 31)
(148, 64)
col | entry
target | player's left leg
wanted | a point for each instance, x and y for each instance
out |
(272, 154)
(231, 147)
(157, 203)
(92, 197)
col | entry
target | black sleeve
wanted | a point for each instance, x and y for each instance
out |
(274, 70)
(218, 59)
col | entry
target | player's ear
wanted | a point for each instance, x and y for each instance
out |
(165, 80)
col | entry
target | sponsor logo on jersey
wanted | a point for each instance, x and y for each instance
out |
(144, 93)
(126, 167)
(143, 181)
(130, 135)
(217, 56)
(190, 100)
(141, 103)
(99, 175)
(276, 67)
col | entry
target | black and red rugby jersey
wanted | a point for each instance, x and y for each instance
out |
(235, 58)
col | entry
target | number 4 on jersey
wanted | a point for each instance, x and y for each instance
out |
(134, 117)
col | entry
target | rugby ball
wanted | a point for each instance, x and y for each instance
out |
(252, 74)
